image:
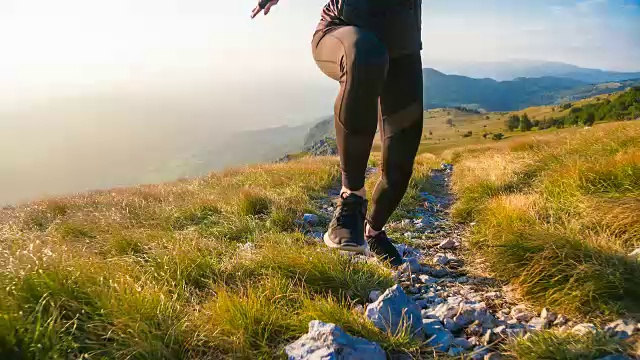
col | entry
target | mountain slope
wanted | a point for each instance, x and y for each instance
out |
(443, 90)
(509, 70)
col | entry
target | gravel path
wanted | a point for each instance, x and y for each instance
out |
(463, 315)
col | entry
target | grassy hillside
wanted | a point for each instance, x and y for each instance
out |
(441, 90)
(205, 268)
(556, 215)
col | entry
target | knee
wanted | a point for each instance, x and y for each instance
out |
(398, 176)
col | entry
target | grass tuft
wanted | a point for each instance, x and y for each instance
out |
(555, 216)
(564, 346)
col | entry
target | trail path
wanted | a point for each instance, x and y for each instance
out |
(463, 314)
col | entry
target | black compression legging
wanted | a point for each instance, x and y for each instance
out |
(374, 89)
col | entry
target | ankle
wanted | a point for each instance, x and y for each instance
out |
(370, 232)
(362, 192)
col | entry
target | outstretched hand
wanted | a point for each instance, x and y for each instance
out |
(263, 5)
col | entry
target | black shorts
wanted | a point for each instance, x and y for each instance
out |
(396, 23)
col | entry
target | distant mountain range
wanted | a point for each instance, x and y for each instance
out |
(443, 90)
(510, 70)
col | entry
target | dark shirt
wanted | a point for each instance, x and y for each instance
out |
(397, 23)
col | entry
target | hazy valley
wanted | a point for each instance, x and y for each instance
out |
(105, 140)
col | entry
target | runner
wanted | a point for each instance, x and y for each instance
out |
(372, 48)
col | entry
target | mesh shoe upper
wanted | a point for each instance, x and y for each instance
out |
(346, 230)
(382, 246)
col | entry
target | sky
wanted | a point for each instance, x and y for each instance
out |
(150, 45)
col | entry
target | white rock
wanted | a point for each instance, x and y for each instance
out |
(451, 325)
(548, 316)
(470, 312)
(583, 329)
(394, 310)
(328, 341)
(560, 320)
(422, 304)
(635, 252)
(437, 336)
(455, 351)
(462, 343)
(414, 265)
(537, 324)
(374, 295)
(520, 313)
(426, 279)
(310, 219)
(448, 244)
(621, 329)
(441, 259)
(445, 311)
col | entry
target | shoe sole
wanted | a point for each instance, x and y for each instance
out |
(350, 248)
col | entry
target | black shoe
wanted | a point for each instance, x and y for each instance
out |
(382, 246)
(346, 230)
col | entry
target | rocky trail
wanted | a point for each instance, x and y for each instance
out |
(436, 296)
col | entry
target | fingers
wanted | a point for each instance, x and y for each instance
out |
(255, 12)
(269, 6)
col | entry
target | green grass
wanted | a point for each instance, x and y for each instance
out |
(214, 267)
(564, 346)
(205, 268)
(555, 216)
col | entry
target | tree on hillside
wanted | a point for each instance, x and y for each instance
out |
(536, 123)
(590, 119)
(513, 122)
(525, 123)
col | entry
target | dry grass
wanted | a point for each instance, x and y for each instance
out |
(556, 215)
(205, 268)
(564, 346)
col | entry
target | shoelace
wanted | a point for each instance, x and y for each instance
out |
(347, 211)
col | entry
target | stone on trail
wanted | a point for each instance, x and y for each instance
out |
(451, 325)
(561, 320)
(422, 304)
(393, 311)
(462, 343)
(537, 324)
(329, 342)
(448, 244)
(494, 295)
(621, 329)
(374, 295)
(583, 329)
(414, 265)
(437, 336)
(479, 353)
(520, 313)
(548, 316)
(426, 279)
(455, 351)
(445, 311)
(439, 273)
(310, 219)
(441, 259)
